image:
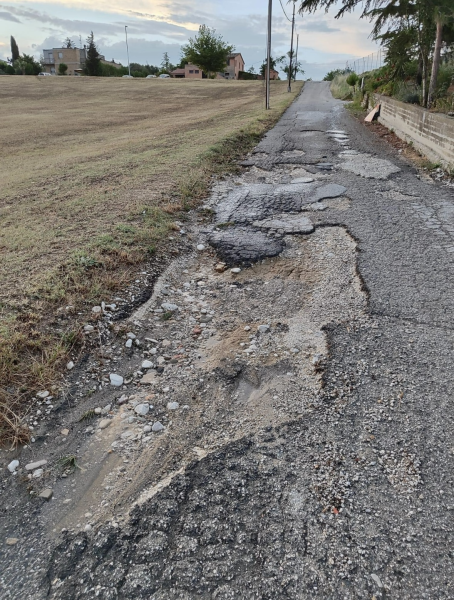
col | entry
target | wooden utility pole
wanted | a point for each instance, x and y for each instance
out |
(268, 57)
(289, 89)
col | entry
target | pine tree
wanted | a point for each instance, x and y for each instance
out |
(92, 60)
(14, 50)
(68, 43)
(207, 51)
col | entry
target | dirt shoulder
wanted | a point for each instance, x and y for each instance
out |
(97, 172)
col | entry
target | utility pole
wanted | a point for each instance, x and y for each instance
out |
(127, 49)
(296, 55)
(268, 57)
(289, 89)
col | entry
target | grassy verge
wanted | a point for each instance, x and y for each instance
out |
(34, 343)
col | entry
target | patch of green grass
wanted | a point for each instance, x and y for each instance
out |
(90, 414)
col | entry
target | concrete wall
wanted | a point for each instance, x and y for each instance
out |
(431, 133)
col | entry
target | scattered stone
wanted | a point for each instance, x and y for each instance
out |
(38, 473)
(131, 336)
(149, 378)
(70, 365)
(158, 426)
(147, 364)
(263, 328)
(172, 405)
(64, 432)
(43, 395)
(142, 409)
(128, 343)
(88, 328)
(147, 429)
(122, 399)
(200, 247)
(13, 466)
(235, 270)
(220, 267)
(35, 465)
(116, 380)
(168, 307)
(11, 541)
(96, 309)
(47, 494)
(104, 423)
(106, 409)
(247, 328)
(98, 410)
(377, 580)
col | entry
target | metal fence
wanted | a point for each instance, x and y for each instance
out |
(367, 63)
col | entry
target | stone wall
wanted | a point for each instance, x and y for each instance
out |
(431, 133)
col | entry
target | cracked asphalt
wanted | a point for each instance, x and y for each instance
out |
(352, 495)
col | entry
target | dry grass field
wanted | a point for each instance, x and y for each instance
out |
(92, 173)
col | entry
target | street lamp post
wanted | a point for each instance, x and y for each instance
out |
(127, 49)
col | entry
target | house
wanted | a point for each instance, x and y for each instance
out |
(188, 72)
(74, 58)
(274, 75)
(235, 64)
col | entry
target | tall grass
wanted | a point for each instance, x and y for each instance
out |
(340, 88)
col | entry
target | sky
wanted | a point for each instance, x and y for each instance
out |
(158, 26)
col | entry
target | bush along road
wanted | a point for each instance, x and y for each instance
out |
(277, 418)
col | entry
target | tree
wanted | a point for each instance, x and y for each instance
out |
(207, 51)
(423, 17)
(296, 66)
(14, 50)
(68, 43)
(26, 65)
(251, 70)
(92, 60)
(332, 74)
(62, 68)
(444, 11)
(274, 62)
(166, 65)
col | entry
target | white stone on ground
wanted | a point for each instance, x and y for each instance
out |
(116, 380)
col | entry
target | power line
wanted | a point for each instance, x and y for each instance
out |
(282, 6)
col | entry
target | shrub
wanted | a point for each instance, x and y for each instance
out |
(62, 68)
(352, 79)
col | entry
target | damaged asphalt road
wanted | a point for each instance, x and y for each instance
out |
(314, 456)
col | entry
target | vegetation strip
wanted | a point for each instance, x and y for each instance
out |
(34, 350)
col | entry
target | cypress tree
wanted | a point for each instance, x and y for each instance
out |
(92, 60)
(14, 50)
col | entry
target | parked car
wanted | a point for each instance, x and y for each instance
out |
(42, 74)
(164, 76)
(128, 76)
(151, 77)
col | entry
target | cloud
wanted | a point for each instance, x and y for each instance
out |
(6, 16)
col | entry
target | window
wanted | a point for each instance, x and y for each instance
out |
(196, 71)
(60, 55)
(226, 74)
(191, 70)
